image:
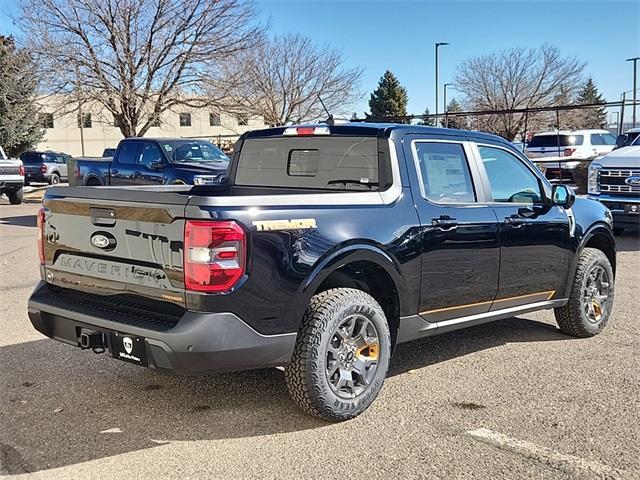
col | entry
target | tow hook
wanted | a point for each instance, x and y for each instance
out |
(92, 340)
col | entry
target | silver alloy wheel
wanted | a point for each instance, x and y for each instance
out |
(595, 294)
(352, 356)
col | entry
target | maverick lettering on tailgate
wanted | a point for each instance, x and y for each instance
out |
(109, 270)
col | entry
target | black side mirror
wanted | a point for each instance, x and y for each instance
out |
(563, 196)
(622, 141)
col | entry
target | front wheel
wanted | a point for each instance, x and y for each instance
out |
(591, 299)
(15, 197)
(341, 356)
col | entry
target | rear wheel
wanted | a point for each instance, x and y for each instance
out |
(341, 355)
(15, 197)
(54, 179)
(591, 299)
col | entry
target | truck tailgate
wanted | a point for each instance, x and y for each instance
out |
(96, 242)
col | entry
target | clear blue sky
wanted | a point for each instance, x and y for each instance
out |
(400, 35)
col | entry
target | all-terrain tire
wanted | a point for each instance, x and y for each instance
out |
(306, 375)
(15, 197)
(571, 318)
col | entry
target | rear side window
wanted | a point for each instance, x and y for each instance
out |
(128, 153)
(546, 141)
(445, 172)
(325, 163)
(602, 139)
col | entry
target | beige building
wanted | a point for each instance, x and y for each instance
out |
(62, 132)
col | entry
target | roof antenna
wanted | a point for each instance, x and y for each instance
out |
(329, 120)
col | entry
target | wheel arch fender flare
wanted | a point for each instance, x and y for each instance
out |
(349, 254)
(599, 228)
(90, 176)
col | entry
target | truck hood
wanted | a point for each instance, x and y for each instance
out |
(627, 157)
(213, 167)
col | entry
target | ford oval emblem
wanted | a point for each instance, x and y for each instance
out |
(633, 181)
(103, 240)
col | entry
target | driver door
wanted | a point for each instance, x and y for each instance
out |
(534, 236)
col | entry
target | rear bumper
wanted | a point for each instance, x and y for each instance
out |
(37, 177)
(200, 343)
(617, 206)
(11, 182)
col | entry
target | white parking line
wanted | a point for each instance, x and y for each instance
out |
(559, 461)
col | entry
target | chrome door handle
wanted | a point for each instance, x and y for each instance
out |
(444, 222)
(515, 221)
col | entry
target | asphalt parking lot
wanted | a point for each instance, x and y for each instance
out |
(513, 399)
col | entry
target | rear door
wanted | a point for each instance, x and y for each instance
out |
(125, 166)
(534, 236)
(459, 245)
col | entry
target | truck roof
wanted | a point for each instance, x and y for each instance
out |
(373, 129)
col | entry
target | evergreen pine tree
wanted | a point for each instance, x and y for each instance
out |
(19, 124)
(456, 122)
(389, 99)
(427, 121)
(591, 117)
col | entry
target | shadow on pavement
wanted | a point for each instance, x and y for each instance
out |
(440, 348)
(57, 399)
(19, 221)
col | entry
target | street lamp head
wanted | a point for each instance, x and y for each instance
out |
(438, 44)
(632, 59)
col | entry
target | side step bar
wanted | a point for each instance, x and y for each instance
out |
(415, 326)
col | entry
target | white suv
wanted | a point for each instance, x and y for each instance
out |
(564, 155)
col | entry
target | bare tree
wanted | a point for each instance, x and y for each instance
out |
(517, 78)
(285, 76)
(136, 58)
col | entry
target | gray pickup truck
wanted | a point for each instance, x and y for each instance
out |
(11, 178)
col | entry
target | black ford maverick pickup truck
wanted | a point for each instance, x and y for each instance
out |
(327, 246)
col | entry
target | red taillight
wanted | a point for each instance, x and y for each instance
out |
(302, 131)
(214, 255)
(40, 226)
(569, 151)
(43, 168)
(77, 171)
(21, 170)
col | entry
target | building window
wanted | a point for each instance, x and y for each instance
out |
(243, 119)
(185, 119)
(214, 120)
(84, 121)
(46, 120)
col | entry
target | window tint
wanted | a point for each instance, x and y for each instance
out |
(84, 120)
(150, 154)
(185, 119)
(511, 180)
(547, 141)
(128, 153)
(596, 139)
(445, 172)
(335, 163)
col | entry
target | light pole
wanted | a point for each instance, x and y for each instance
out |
(635, 87)
(438, 44)
(444, 101)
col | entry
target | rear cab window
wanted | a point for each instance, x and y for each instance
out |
(325, 163)
(32, 157)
